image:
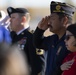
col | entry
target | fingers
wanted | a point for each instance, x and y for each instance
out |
(67, 65)
(70, 62)
(43, 24)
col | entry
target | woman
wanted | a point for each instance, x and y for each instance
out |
(69, 64)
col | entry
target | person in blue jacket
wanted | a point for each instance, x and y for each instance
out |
(60, 18)
(4, 31)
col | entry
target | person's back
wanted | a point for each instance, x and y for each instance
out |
(60, 18)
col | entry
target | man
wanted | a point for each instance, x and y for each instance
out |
(22, 36)
(60, 18)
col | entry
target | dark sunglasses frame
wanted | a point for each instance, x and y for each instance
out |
(67, 37)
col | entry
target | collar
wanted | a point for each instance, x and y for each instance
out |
(26, 27)
(20, 31)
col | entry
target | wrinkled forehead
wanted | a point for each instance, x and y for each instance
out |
(54, 15)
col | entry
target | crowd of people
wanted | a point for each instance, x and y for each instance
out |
(27, 52)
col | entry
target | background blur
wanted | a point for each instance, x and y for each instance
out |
(37, 8)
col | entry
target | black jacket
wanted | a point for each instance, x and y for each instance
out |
(24, 40)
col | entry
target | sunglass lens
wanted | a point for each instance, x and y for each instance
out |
(67, 37)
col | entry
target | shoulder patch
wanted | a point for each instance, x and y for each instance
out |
(39, 51)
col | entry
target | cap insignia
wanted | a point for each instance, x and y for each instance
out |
(10, 10)
(58, 7)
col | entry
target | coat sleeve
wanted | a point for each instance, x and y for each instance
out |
(38, 37)
(37, 60)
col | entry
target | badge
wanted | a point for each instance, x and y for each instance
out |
(58, 7)
(22, 43)
(59, 49)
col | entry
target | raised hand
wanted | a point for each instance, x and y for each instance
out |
(43, 24)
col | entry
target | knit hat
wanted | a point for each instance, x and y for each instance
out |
(72, 29)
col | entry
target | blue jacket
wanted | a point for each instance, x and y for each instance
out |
(4, 35)
(54, 46)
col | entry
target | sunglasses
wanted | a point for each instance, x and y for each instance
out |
(67, 37)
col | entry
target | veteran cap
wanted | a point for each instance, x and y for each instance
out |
(58, 7)
(11, 10)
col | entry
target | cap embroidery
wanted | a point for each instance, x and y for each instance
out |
(10, 10)
(58, 7)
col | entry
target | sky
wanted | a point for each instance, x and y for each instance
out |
(27, 3)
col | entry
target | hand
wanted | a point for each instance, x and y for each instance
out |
(66, 65)
(43, 24)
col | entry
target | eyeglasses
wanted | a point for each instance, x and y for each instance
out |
(67, 37)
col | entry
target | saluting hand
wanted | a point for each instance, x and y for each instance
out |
(66, 65)
(44, 23)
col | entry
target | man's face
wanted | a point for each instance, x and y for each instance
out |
(15, 21)
(55, 23)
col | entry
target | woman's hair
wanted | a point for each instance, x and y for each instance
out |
(12, 61)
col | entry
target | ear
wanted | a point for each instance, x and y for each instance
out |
(23, 19)
(65, 20)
